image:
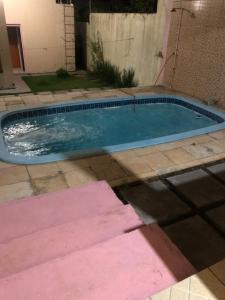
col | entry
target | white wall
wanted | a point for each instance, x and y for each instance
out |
(42, 31)
(132, 40)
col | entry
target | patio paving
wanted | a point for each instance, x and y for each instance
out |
(189, 206)
(218, 170)
(198, 241)
(217, 217)
(154, 202)
(20, 86)
(209, 284)
(199, 188)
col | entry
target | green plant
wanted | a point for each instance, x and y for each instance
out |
(127, 78)
(97, 54)
(62, 73)
(106, 71)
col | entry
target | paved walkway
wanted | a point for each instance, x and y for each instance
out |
(189, 206)
(20, 86)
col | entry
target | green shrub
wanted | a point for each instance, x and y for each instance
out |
(97, 54)
(112, 75)
(107, 72)
(62, 73)
(127, 78)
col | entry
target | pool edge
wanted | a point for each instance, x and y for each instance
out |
(7, 157)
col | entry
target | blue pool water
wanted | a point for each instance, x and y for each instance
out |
(76, 129)
(97, 128)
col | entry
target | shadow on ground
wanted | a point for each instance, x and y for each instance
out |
(181, 205)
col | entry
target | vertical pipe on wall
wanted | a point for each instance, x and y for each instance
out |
(168, 4)
(176, 52)
(64, 18)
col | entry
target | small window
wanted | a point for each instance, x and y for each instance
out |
(64, 1)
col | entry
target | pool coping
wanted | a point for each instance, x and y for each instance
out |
(7, 157)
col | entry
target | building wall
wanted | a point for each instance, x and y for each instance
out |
(47, 32)
(6, 75)
(132, 40)
(200, 67)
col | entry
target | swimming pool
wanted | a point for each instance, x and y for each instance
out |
(77, 129)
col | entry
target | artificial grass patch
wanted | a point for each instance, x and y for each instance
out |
(53, 83)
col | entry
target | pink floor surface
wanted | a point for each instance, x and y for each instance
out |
(83, 244)
(40, 212)
(41, 246)
(131, 266)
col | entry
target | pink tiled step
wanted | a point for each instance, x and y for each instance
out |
(36, 213)
(41, 246)
(131, 266)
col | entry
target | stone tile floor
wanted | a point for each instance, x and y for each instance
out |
(198, 188)
(20, 86)
(153, 201)
(183, 209)
(209, 284)
(189, 206)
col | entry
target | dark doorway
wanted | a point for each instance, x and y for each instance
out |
(82, 19)
(15, 45)
(81, 52)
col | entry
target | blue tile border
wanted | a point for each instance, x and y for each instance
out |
(62, 108)
(77, 105)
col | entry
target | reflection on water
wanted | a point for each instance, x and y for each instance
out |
(97, 128)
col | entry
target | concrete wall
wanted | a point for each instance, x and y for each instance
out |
(6, 75)
(132, 40)
(47, 31)
(200, 67)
